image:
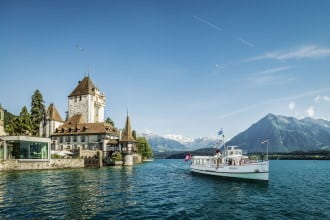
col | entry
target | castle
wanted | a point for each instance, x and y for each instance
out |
(85, 128)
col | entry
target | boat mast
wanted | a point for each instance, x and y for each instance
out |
(223, 140)
(266, 142)
(267, 150)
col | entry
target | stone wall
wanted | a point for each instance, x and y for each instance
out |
(137, 158)
(11, 165)
(90, 106)
(87, 153)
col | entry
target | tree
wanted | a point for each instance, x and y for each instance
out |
(10, 126)
(108, 120)
(25, 122)
(144, 148)
(38, 111)
(20, 125)
(9, 117)
(134, 134)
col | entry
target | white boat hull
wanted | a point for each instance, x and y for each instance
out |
(253, 171)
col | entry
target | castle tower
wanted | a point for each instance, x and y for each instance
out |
(52, 121)
(87, 100)
(128, 142)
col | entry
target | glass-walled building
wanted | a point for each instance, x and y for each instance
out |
(24, 148)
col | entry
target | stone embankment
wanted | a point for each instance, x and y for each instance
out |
(11, 165)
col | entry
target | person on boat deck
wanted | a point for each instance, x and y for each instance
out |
(217, 156)
(217, 153)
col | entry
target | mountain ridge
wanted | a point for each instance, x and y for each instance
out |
(284, 134)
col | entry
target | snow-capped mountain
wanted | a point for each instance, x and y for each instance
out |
(176, 142)
(179, 138)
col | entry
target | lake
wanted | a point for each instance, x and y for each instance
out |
(165, 189)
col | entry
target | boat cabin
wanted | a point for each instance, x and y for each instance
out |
(232, 151)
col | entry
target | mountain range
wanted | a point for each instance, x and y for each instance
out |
(175, 142)
(283, 134)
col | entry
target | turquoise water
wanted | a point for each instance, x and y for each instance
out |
(165, 189)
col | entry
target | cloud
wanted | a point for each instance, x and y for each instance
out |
(286, 98)
(310, 51)
(292, 106)
(216, 27)
(245, 42)
(310, 111)
(208, 23)
(268, 77)
(317, 98)
(275, 70)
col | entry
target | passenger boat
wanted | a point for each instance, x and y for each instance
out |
(231, 163)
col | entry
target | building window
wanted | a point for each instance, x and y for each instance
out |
(27, 150)
(83, 138)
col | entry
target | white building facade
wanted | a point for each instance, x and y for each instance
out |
(52, 121)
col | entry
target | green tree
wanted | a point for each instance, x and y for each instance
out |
(108, 120)
(25, 122)
(10, 126)
(20, 125)
(134, 134)
(38, 111)
(9, 117)
(144, 148)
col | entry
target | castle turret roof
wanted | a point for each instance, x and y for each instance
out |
(127, 132)
(84, 87)
(53, 113)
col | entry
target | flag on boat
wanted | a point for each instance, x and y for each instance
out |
(265, 141)
(220, 132)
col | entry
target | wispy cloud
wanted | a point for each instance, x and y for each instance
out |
(275, 70)
(245, 42)
(287, 98)
(311, 51)
(269, 77)
(326, 98)
(208, 23)
(218, 28)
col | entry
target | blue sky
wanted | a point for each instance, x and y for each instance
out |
(184, 67)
